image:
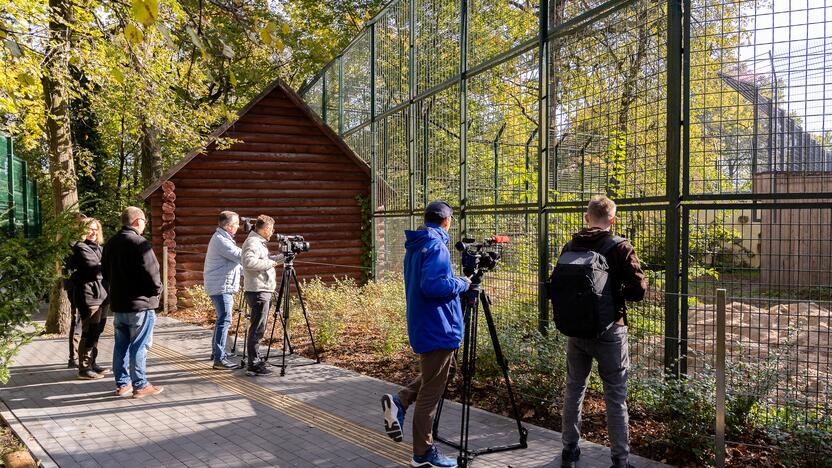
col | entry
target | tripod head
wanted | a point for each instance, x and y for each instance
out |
(480, 257)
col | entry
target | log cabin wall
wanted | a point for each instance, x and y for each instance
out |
(284, 166)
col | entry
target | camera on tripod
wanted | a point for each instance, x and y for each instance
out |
(480, 257)
(292, 244)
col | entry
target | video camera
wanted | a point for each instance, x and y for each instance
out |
(291, 245)
(476, 256)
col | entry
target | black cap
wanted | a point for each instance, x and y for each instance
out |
(438, 210)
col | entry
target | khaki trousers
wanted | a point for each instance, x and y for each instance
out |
(425, 391)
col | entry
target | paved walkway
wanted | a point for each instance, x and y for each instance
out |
(317, 415)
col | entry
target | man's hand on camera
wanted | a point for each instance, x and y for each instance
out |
(274, 264)
(467, 281)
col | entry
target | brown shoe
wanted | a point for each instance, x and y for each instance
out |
(147, 391)
(124, 391)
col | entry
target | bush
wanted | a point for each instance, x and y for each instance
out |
(804, 444)
(687, 409)
(28, 269)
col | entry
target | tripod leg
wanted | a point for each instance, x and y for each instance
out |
(246, 311)
(287, 275)
(469, 368)
(275, 318)
(501, 361)
(240, 303)
(306, 316)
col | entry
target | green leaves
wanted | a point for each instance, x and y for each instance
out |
(13, 47)
(145, 12)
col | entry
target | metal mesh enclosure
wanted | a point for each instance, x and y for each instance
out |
(705, 120)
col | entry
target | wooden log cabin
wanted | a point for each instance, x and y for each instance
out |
(285, 163)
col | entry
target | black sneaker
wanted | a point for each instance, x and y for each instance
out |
(258, 369)
(72, 364)
(224, 365)
(89, 374)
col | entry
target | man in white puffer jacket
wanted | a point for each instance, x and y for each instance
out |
(261, 281)
(221, 278)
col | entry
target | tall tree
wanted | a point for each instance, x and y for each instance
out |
(58, 136)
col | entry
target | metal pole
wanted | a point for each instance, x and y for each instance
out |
(373, 177)
(411, 115)
(685, 244)
(463, 112)
(340, 95)
(10, 178)
(165, 279)
(719, 442)
(324, 103)
(674, 150)
(543, 174)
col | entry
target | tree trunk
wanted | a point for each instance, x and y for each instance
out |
(151, 153)
(58, 135)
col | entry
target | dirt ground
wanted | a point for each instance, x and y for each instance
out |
(356, 352)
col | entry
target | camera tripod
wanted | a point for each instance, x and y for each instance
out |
(289, 276)
(470, 313)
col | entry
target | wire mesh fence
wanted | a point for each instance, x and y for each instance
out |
(706, 120)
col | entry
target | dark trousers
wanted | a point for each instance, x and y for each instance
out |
(93, 322)
(425, 391)
(258, 304)
(612, 354)
(75, 330)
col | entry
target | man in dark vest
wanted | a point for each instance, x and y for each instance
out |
(132, 272)
(610, 348)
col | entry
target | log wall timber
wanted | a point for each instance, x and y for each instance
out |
(283, 163)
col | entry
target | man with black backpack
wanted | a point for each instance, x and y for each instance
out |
(596, 274)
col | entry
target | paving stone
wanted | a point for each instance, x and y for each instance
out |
(197, 422)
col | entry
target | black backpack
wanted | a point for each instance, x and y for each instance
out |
(581, 291)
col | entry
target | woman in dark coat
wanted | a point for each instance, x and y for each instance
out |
(90, 297)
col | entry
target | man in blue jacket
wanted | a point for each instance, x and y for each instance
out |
(434, 326)
(221, 276)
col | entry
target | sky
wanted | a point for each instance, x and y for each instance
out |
(794, 38)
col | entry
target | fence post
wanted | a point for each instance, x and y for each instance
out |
(674, 150)
(543, 171)
(719, 440)
(165, 279)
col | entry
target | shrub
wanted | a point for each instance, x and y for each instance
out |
(28, 269)
(805, 444)
(686, 407)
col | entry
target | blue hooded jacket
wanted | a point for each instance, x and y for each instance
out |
(434, 314)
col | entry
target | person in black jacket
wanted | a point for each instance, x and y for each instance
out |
(89, 296)
(75, 326)
(132, 272)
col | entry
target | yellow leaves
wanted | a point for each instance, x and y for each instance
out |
(145, 11)
(117, 74)
(269, 37)
(232, 79)
(133, 34)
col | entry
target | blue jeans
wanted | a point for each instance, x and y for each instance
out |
(133, 333)
(613, 357)
(224, 305)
